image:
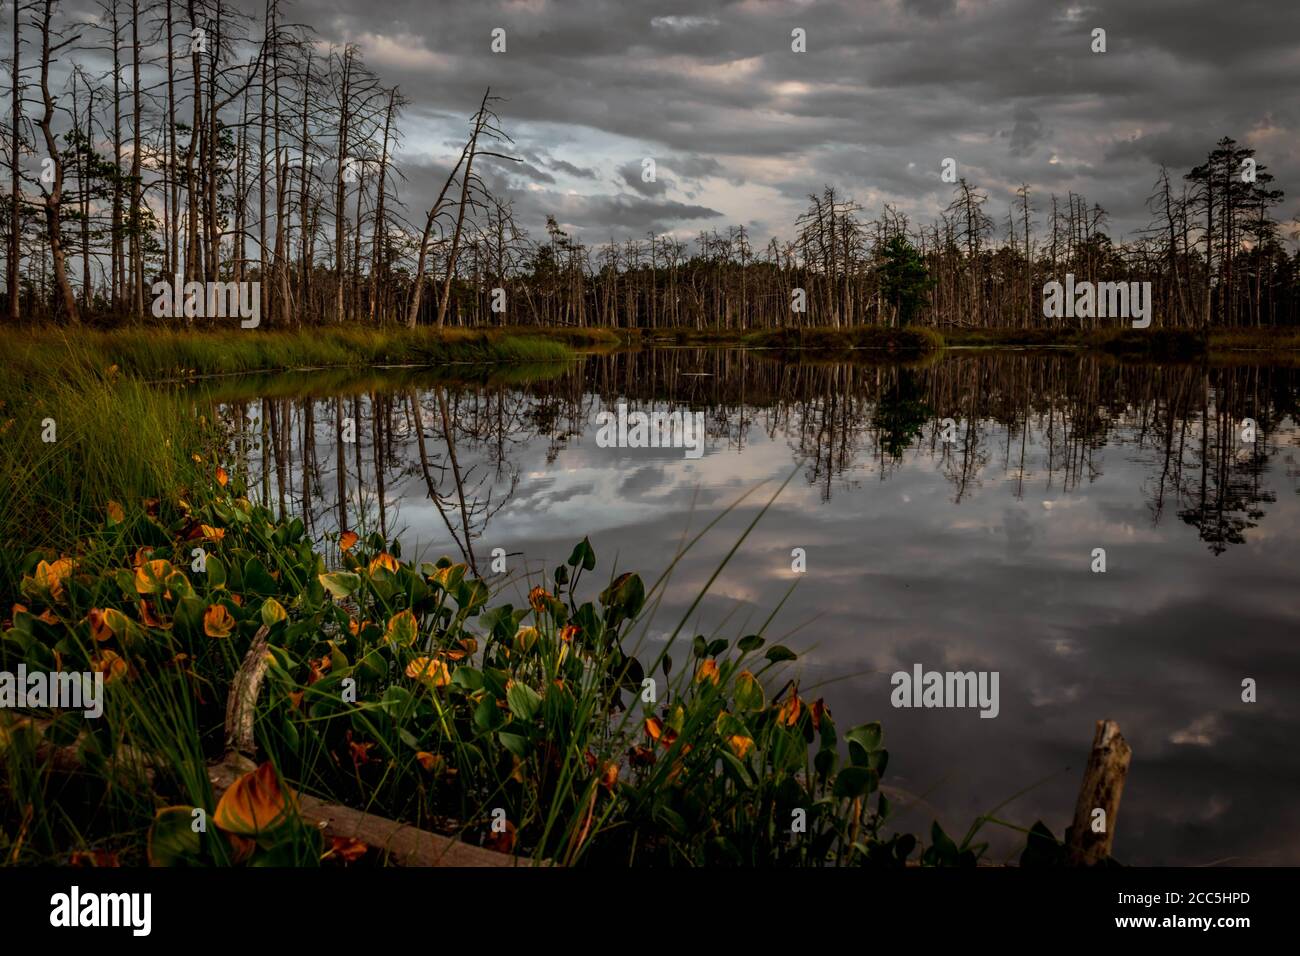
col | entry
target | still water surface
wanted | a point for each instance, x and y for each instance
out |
(969, 554)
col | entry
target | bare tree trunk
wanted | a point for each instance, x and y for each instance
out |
(54, 198)
(15, 196)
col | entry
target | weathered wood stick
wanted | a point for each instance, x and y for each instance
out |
(1103, 784)
(404, 845)
(241, 703)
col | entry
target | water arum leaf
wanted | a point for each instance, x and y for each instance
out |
(151, 577)
(273, 612)
(740, 745)
(254, 804)
(100, 630)
(115, 513)
(217, 621)
(429, 671)
(582, 555)
(340, 584)
(749, 643)
(348, 540)
(514, 743)
(215, 572)
(172, 840)
(852, 782)
(749, 692)
(779, 652)
(402, 629)
(523, 700)
(865, 739)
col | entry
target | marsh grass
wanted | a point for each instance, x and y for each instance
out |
(126, 429)
(467, 710)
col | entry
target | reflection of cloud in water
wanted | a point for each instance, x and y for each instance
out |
(900, 573)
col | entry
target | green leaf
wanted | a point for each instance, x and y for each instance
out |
(749, 643)
(340, 584)
(749, 692)
(736, 768)
(487, 715)
(582, 554)
(863, 741)
(779, 652)
(273, 612)
(516, 744)
(854, 782)
(523, 700)
(172, 840)
(215, 571)
(626, 595)
(467, 677)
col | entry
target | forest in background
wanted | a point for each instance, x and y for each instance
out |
(223, 148)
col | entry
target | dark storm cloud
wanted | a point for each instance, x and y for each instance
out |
(1008, 88)
(632, 173)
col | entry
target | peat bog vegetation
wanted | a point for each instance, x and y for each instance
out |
(261, 660)
(410, 692)
(415, 693)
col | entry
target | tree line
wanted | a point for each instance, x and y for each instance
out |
(222, 147)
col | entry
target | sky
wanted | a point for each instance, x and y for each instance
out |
(742, 129)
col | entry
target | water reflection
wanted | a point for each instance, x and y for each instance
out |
(958, 544)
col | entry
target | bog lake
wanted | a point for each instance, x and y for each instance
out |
(961, 545)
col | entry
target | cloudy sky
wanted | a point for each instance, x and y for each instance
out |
(742, 128)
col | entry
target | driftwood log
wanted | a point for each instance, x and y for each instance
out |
(1103, 785)
(400, 843)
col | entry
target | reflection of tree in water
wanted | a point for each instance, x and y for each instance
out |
(1034, 420)
(901, 414)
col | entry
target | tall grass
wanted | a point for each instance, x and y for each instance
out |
(165, 353)
(91, 420)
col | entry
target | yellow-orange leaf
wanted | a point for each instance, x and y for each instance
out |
(708, 670)
(740, 745)
(504, 841)
(430, 762)
(526, 638)
(538, 597)
(429, 671)
(254, 804)
(790, 710)
(51, 575)
(223, 479)
(385, 561)
(215, 534)
(110, 664)
(217, 621)
(350, 849)
(151, 576)
(115, 513)
(402, 629)
(348, 540)
(99, 627)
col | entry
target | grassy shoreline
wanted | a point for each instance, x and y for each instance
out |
(89, 417)
(1156, 342)
(154, 354)
(466, 706)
